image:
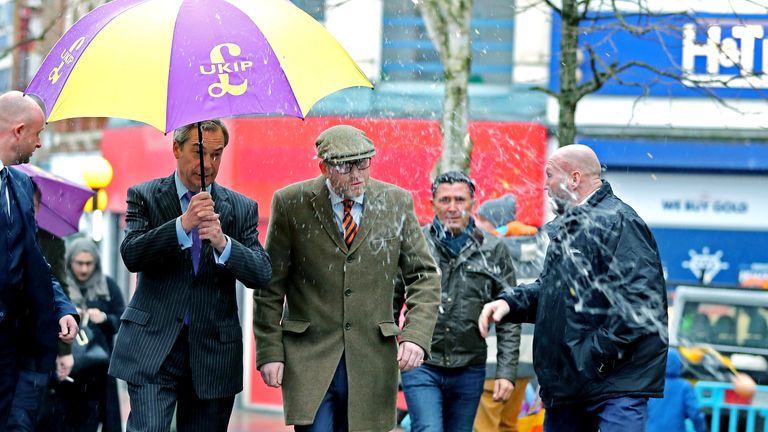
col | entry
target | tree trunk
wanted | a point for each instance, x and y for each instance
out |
(568, 97)
(448, 26)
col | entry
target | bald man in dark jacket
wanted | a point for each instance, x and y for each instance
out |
(599, 305)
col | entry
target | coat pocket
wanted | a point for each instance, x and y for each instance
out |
(137, 316)
(295, 326)
(230, 333)
(389, 329)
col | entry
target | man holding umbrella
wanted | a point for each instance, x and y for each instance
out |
(180, 341)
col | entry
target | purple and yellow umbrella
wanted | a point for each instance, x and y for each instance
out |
(170, 63)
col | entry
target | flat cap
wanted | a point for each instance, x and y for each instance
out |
(343, 143)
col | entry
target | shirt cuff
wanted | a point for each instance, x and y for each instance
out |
(222, 259)
(185, 240)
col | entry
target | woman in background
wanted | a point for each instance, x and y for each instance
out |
(92, 398)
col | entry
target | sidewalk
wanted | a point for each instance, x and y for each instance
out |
(246, 421)
(242, 420)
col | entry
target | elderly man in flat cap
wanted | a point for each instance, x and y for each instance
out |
(324, 326)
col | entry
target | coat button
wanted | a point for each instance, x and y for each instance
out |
(347, 292)
(350, 259)
(347, 326)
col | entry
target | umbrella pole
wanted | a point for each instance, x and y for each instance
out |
(202, 156)
(202, 161)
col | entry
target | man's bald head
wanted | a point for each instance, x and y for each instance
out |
(16, 107)
(21, 121)
(579, 157)
(573, 173)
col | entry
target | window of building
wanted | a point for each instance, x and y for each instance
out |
(409, 55)
(5, 79)
(6, 40)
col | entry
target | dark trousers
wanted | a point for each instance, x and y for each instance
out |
(332, 414)
(8, 371)
(625, 414)
(28, 400)
(152, 404)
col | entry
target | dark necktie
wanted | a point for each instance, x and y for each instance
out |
(4, 179)
(196, 243)
(348, 223)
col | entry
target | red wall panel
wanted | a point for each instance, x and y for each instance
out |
(266, 154)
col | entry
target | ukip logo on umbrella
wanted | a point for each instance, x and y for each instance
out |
(223, 69)
(67, 57)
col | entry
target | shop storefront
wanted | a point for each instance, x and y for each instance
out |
(687, 149)
(710, 227)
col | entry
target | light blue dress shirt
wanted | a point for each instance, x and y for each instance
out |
(337, 203)
(185, 239)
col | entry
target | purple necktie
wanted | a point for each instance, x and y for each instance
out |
(196, 243)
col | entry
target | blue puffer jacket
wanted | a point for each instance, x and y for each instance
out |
(679, 402)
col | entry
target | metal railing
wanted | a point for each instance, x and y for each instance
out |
(723, 402)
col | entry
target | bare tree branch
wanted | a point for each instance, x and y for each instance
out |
(545, 91)
(39, 38)
(585, 11)
(553, 7)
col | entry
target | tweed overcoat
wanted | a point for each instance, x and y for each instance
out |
(338, 300)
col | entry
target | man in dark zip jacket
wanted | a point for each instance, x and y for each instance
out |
(599, 305)
(444, 393)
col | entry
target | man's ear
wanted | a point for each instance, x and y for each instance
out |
(323, 168)
(575, 179)
(18, 129)
(176, 150)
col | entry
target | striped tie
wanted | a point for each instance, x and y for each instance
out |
(350, 227)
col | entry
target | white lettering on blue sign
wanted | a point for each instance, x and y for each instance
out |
(704, 265)
(725, 52)
(702, 206)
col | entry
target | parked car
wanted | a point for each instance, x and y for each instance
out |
(733, 321)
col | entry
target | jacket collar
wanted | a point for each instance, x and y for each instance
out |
(19, 192)
(170, 203)
(321, 202)
(574, 215)
(600, 194)
(477, 238)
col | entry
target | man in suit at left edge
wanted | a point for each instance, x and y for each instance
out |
(180, 340)
(30, 297)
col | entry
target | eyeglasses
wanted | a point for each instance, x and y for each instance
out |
(346, 167)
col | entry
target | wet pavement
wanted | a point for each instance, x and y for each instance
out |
(242, 420)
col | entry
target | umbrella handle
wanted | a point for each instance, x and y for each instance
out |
(202, 156)
(202, 161)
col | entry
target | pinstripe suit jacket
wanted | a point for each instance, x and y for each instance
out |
(168, 287)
